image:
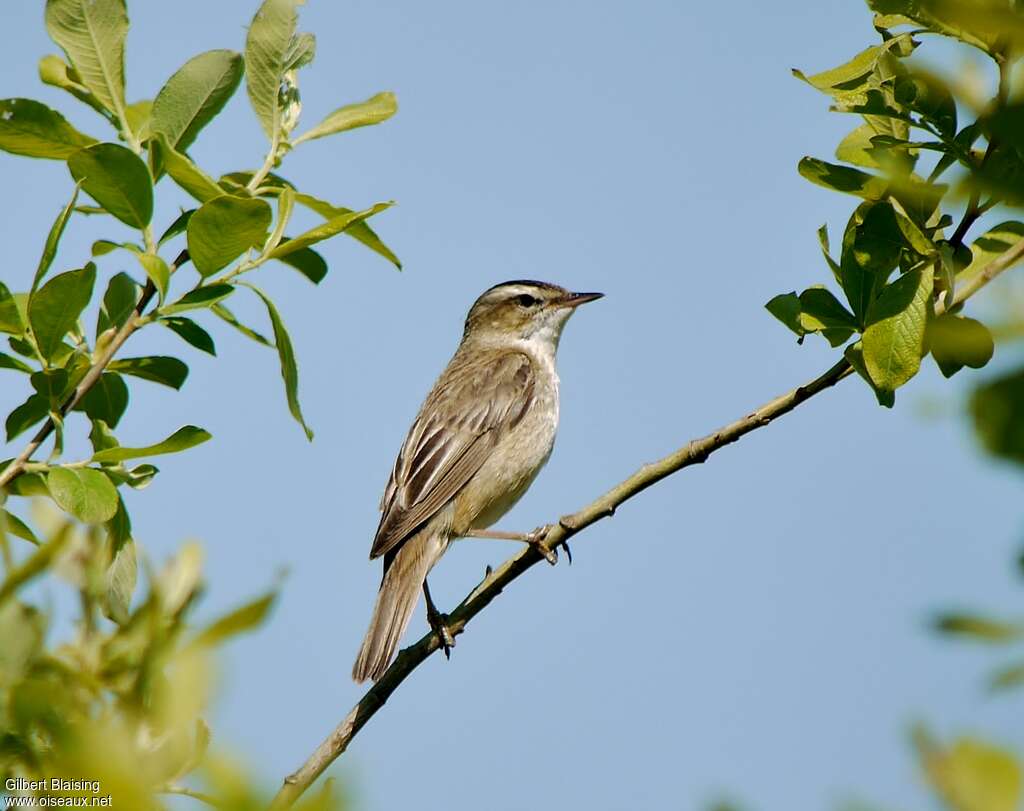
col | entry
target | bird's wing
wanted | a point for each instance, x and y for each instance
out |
(474, 403)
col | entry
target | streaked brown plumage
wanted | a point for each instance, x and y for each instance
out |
(482, 435)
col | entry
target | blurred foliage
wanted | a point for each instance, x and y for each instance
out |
(119, 703)
(122, 700)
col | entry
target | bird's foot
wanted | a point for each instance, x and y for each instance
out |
(439, 625)
(550, 554)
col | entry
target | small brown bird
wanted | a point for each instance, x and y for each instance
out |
(479, 440)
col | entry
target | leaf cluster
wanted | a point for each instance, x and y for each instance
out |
(236, 224)
(901, 261)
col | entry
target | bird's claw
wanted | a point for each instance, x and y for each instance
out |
(439, 625)
(536, 540)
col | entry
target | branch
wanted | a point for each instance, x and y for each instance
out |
(17, 466)
(693, 453)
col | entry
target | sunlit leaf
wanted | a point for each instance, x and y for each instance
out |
(266, 58)
(85, 493)
(894, 334)
(363, 114)
(34, 130)
(184, 438)
(194, 95)
(326, 230)
(92, 33)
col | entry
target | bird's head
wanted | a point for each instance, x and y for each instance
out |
(523, 310)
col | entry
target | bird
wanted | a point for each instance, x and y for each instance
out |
(482, 435)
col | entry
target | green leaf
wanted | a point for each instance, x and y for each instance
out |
(12, 363)
(833, 265)
(821, 311)
(872, 244)
(85, 493)
(138, 116)
(957, 341)
(328, 229)
(199, 298)
(895, 330)
(56, 72)
(856, 73)
(157, 271)
(33, 410)
(843, 179)
(980, 628)
(943, 18)
(34, 130)
(118, 303)
(301, 51)
(242, 619)
(786, 308)
(372, 111)
(176, 227)
(194, 95)
(228, 317)
(15, 526)
(117, 179)
(53, 311)
(289, 369)
(185, 173)
(11, 320)
(106, 400)
(854, 355)
(51, 384)
(267, 49)
(184, 438)
(121, 578)
(157, 369)
(997, 408)
(101, 436)
(53, 240)
(928, 95)
(190, 332)
(307, 261)
(223, 228)
(360, 231)
(92, 34)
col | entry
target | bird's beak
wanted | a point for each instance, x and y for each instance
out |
(576, 299)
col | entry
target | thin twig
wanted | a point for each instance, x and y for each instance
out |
(693, 453)
(195, 795)
(16, 467)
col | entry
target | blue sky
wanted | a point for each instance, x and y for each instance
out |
(755, 627)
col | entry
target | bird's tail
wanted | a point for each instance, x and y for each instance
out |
(399, 593)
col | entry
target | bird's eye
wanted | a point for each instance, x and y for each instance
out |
(526, 300)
